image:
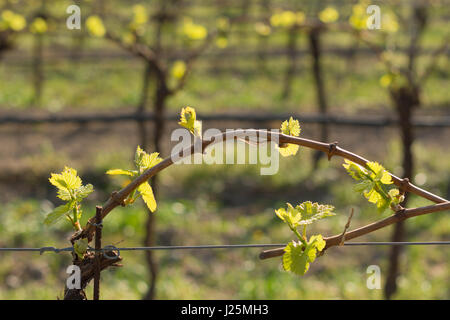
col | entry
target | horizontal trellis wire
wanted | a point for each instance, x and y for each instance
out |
(225, 246)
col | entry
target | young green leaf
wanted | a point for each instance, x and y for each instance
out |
(188, 120)
(178, 69)
(12, 21)
(67, 180)
(80, 246)
(83, 191)
(304, 213)
(311, 212)
(94, 25)
(58, 213)
(328, 15)
(291, 216)
(193, 31)
(70, 189)
(396, 197)
(39, 25)
(145, 161)
(64, 194)
(289, 127)
(140, 18)
(374, 183)
(147, 195)
(355, 170)
(297, 257)
(294, 259)
(380, 173)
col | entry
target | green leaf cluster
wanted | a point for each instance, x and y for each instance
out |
(95, 26)
(289, 127)
(143, 162)
(305, 213)
(287, 19)
(10, 20)
(298, 255)
(188, 120)
(375, 184)
(71, 190)
(140, 19)
(329, 15)
(39, 25)
(193, 31)
(178, 69)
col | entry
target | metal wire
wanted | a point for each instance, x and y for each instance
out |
(224, 246)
